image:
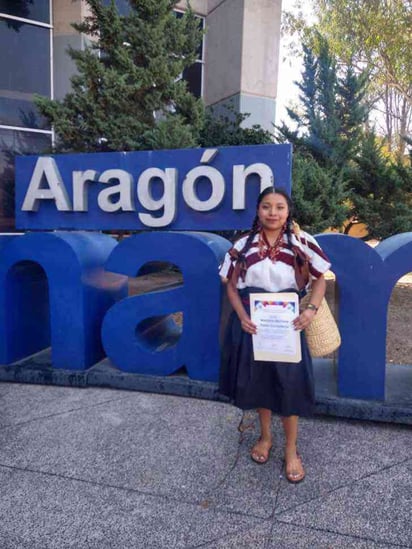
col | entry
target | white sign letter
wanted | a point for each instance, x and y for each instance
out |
(240, 173)
(167, 200)
(80, 202)
(47, 167)
(123, 189)
(218, 188)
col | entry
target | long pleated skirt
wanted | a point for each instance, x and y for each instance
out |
(283, 387)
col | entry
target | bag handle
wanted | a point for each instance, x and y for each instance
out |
(300, 261)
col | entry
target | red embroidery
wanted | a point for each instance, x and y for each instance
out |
(268, 250)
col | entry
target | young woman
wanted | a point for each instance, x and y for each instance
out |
(271, 258)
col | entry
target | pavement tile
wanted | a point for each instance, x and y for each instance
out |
(124, 469)
(47, 512)
(254, 538)
(37, 401)
(377, 507)
(250, 488)
(336, 452)
(153, 443)
(285, 536)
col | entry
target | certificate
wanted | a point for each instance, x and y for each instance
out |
(276, 338)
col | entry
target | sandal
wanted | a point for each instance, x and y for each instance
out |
(293, 476)
(260, 457)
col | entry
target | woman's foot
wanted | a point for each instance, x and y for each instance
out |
(261, 451)
(294, 470)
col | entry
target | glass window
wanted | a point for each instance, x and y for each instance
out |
(24, 70)
(38, 10)
(201, 22)
(201, 26)
(123, 6)
(193, 77)
(12, 143)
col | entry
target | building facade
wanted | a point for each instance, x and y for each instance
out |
(237, 64)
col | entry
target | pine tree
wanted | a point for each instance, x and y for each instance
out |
(382, 191)
(128, 93)
(319, 195)
(327, 136)
(334, 110)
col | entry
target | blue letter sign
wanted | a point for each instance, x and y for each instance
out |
(69, 289)
(197, 256)
(58, 276)
(195, 189)
(366, 277)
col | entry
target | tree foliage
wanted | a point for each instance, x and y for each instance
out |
(319, 194)
(330, 123)
(128, 93)
(327, 133)
(227, 129)
(340, 171)
(376, 35)
(373, 32)
(381, 194)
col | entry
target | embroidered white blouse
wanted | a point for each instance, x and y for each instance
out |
(274, 276)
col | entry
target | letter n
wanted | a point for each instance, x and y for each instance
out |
(53, 290)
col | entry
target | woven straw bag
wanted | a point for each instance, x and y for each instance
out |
(322, 334)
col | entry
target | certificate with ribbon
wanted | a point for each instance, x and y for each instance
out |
(276, 339)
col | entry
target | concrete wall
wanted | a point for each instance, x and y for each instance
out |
(65, 13)
(223, 51)
(260, 47)
(242, 57)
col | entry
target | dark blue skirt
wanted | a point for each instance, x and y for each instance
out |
(283, 387)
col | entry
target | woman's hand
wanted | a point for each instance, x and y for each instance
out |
(247, 325)
(304, 319)
(306, 316)
(236, 302)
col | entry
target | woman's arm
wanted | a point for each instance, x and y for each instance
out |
(234, 299)
(306, 316)
(318, 291)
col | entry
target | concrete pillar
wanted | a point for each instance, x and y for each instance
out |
(242, 57)
(64, 13)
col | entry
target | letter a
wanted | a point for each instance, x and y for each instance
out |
(46, 166)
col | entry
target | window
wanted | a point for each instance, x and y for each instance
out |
(11, 143)
(123, 6)
(193, 77)
(25, 69)
(194, 74)
(37, 10)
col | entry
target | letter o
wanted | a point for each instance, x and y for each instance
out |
(218, 188)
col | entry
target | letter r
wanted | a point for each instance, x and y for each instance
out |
(365, 277)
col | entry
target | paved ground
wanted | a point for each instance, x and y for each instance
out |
(101, 468)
